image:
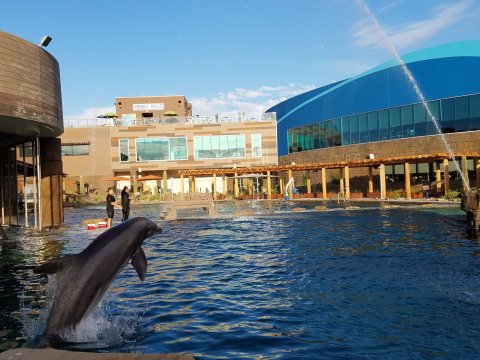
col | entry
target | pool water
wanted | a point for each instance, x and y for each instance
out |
(366, 283)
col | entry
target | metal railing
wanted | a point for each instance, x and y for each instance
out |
(170, 120)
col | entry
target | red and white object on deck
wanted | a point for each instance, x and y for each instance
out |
(102, 225)
(91, 227)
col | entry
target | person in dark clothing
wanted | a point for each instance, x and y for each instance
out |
(125, 203)
(111, 203)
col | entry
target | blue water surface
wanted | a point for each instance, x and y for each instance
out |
(269, 283)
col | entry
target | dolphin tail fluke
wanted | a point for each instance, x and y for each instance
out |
(139, 262)
(52, 267)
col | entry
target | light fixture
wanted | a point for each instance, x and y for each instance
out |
(45, 41)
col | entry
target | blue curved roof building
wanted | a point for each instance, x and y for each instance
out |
(381, 104)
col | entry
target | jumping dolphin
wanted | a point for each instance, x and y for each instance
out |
(82, 279)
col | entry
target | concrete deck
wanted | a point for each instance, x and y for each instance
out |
(52, 354)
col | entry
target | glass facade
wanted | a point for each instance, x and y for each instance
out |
(454, 115)
(124, 155)
(155, 149)
(75, 150)
(256, 145)
(221, 146)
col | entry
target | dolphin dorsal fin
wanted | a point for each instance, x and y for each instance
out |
(139, 262)
(52, 266)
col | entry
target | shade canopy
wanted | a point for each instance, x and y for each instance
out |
(149, 177)
(117, 178)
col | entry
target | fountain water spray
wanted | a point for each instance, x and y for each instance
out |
(363, 5)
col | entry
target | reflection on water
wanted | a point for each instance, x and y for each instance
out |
(361, 283)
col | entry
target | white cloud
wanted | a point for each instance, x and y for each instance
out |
(403, 36)
(246, 100)
(90, 113)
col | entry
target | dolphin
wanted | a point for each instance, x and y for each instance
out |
(83, 279)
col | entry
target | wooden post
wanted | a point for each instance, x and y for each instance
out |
(165, 182)
(477, 172)
(269, 186)
(465, 173)
(214, 186)
(438, 178)
(408, 190)
(235, 186)
(346, 173)
(281, 185)
(182, 186)
(225, 184)
(446, 177)
(370, 179)
(383, 184)
(309, 183)
(290, 189)
(342, 182)
(324, 183)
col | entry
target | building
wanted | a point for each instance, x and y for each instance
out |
(30, 120)
(379, 114)
(156, 138)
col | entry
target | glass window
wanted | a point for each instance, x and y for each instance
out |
(152, 149)
(346, 131)
(316, 136)
(124, 154)
(290, 140)
(420, 119)
(395, 123)
(329, 133)
(75, 150)
(337, 132)
(256, 145)
(383, 125)
(354, 136)
(462, 114)
(178, 148)
(373, 126)
(406, 114)
(434, 107)
(475, 112)
(363, 128)
(448, 115)
(322, 135)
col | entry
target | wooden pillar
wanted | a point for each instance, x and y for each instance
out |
(290, 188)
(370, 179)
(383, 184)
(269, 186)
(324, 183)
(281, 185)
(342, 182)
(408, 190)
(214, 186)
(309, 183)
(165, 181)
(477, 173)
(346, 173)
(225, 184)
(446, 177)
(438, 178)
(182, 186)
(465, 173)
(235, 186)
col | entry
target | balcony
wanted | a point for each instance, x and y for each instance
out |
(170, 120)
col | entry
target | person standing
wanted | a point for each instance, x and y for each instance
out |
(111, 203)
(125, 203)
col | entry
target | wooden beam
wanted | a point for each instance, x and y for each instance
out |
(324, 183)
(383, 183)
(408, 190)
(446, 177)
(346, 173)
(269, 186)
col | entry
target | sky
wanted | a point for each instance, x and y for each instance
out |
(224, 55)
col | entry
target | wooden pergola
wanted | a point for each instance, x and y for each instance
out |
(344, 167)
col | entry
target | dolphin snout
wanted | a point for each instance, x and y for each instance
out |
(154, 230)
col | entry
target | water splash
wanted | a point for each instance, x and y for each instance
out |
(386, 40)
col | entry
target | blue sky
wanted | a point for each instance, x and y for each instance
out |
(224, 55)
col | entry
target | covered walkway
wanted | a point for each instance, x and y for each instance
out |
(441, 183)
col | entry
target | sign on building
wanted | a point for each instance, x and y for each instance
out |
(148, 107)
